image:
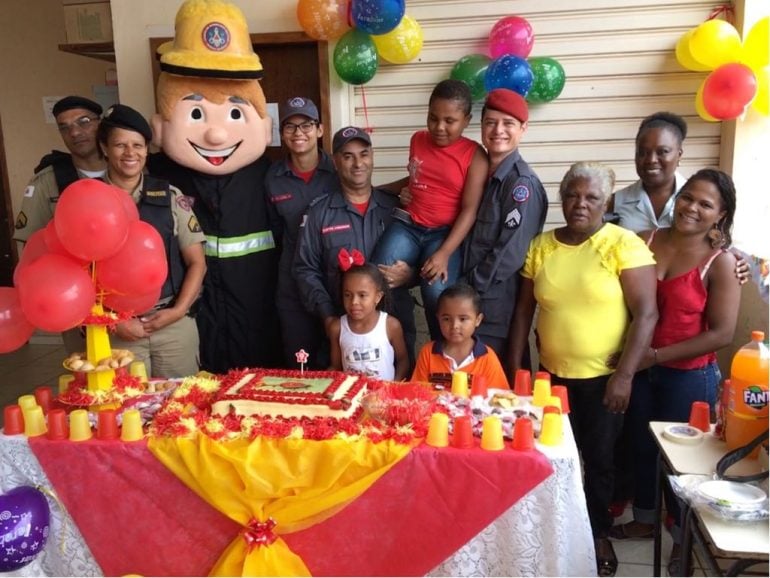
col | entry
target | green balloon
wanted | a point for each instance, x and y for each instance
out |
(355, 57)
(471, 70)
(549, 79)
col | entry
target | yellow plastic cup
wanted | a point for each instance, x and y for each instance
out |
(438, 431)
(34, 422)
(80, 428)
(541, 392)
(492, 434)
(27, 402)
(554, 400)
(132, 426)
(460, 384)
(551, 432)
(64, 382)
(138, 369)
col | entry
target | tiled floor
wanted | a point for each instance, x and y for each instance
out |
(40, 363)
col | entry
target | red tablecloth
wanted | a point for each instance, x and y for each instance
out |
(137, 518)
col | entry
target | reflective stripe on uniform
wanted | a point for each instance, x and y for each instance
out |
(225, 247)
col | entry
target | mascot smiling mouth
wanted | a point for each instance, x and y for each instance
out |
(215, 157)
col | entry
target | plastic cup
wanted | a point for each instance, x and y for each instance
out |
(551, 434)
(80, 429)
(560, 391)
(138, 369)
(27, 402)
(551, 409)
(492, 434)
(543, 375)
(522, 382)
(64, 382)
(699, 416)
(523, 434)
(44, 397)
(479, 385)
(438, 430)
(57, 425)
(34, 422)
(460, 384)
(107, 425)
(462, 432)
(541, 393)
(554, 400)
(13, 420)
(132, 426)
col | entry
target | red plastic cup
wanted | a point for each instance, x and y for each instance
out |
(699, 416)
(560, 391)
(523, 434)
(479, 385)
(44, 397)
(462, 433)
(107, 426)
(522, 382)
(13, 420)
(551, 409)
(57, 425)
(543, 375)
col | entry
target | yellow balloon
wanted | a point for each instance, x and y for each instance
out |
(761, 102)
(756, 46)
(401, 44)
(683, 56)
(714, 43)
(699, 106)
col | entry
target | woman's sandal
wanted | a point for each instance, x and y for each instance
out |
(630, 531)
(606, 560)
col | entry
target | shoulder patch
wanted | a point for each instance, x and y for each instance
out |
(29, 191)
(21, 220)
(193, 225)
(513, 219)
(184, 202)
(520, 193)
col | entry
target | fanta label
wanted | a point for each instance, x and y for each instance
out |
(755, 397)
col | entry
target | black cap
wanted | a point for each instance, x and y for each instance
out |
(298, 106)
(347, 134)
(122, 116)
(70, 102)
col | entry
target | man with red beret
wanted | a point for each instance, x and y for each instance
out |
(511, 213)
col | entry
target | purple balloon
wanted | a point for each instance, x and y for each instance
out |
(24, 526)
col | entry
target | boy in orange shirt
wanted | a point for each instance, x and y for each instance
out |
(459, 314)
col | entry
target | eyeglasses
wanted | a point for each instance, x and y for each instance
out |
(84, 122)
(291, 128)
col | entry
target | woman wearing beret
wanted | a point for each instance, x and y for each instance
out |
(166, 337)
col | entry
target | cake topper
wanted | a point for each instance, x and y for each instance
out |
(302, 357)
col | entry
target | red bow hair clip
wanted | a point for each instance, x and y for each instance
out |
(347, 260)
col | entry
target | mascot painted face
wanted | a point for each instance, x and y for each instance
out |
(212, 109)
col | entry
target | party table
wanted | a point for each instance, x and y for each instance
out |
(455, 512)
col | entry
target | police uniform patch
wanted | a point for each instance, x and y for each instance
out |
(216, 36)
(193, 225)
(520, 193)
(513, 219)
(29, 191)
(155, 193)
(21, 220)
(184, 202)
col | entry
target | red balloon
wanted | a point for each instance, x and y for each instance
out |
(15, 330)
(140, 265)
(132, 303)
(132, 211)
(728, 90)
(56, 293)
(34, 248)
(511, 35)
(91, 220)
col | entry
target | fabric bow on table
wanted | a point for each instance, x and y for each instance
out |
(347, 260)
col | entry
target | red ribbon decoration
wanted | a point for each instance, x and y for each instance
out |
(727, 9)
(347, 260)
(259, 533)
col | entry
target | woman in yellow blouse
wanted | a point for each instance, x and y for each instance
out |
(595, 285)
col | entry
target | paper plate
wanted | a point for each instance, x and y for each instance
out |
(732, 493)
(683, 434)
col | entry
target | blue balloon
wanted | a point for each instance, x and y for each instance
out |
(510, 72)
(24, 527)
(377, 16)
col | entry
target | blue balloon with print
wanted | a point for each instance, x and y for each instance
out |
(24, 527)
(377, 16)
(509, 72)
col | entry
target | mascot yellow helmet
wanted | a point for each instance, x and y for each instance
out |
(211, 39)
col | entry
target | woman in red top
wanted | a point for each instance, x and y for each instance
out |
(698, 297)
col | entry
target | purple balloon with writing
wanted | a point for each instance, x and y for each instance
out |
(24, 527)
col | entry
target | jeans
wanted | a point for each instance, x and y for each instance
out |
(596, 431)
(414, 244)
(662, 394)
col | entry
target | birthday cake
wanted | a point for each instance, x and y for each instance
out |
(289, 394)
